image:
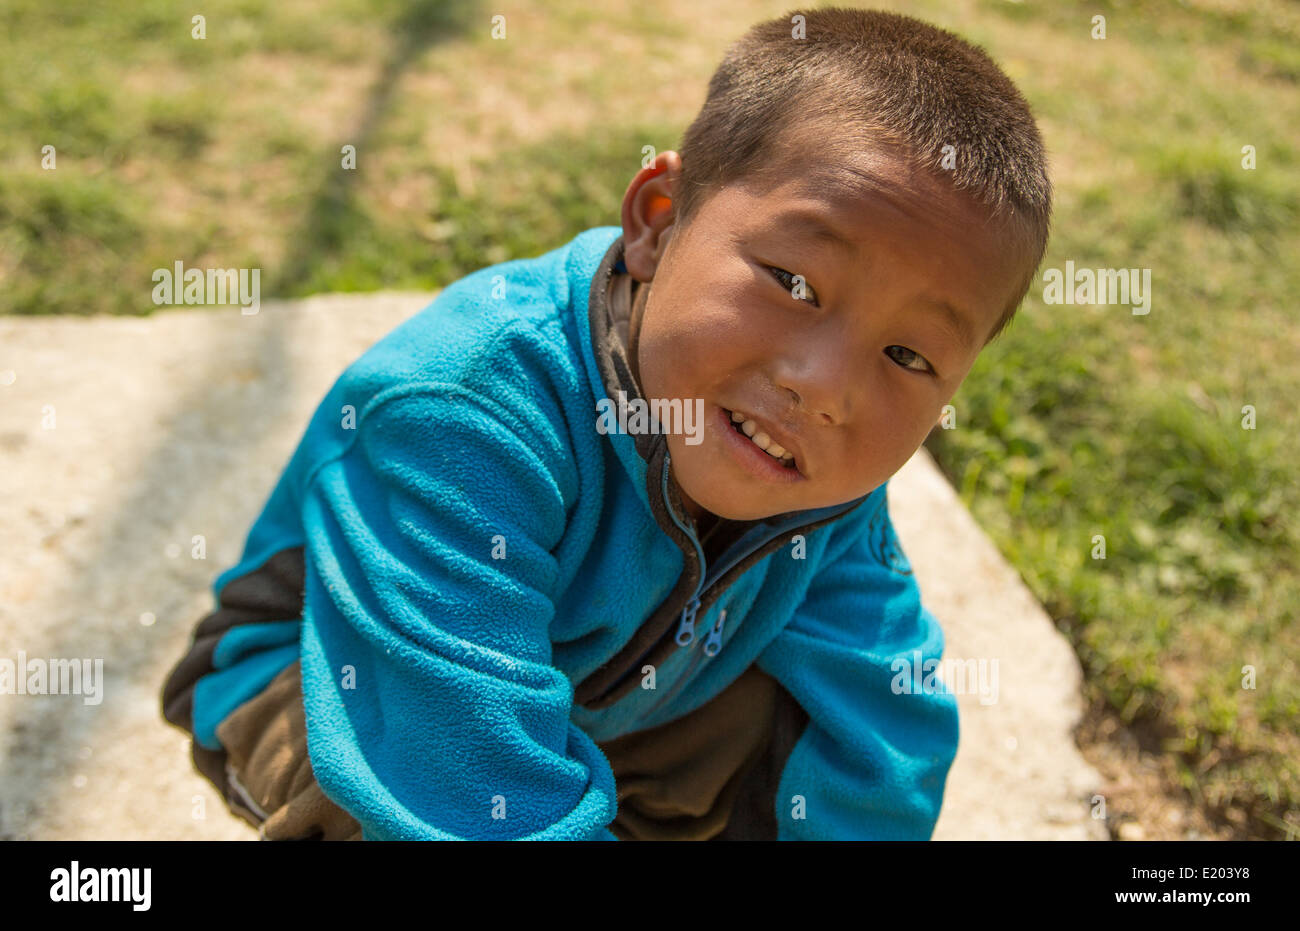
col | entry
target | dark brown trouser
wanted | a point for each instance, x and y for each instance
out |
(680, 781)
(267, 764)
(703, 776)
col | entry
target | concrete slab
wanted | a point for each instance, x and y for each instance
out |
(1018, 774)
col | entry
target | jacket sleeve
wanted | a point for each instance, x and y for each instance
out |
(873, 758)
(433, 709)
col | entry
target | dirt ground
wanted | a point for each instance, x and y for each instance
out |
(1143, 797)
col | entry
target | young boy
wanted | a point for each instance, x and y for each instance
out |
(471, 609)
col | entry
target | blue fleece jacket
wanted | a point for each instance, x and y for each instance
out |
(474, 548)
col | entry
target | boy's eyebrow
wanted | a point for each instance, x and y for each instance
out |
(809, 223)
(812, 224)
(956, 320)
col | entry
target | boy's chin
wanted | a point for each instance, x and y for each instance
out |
(728, 508)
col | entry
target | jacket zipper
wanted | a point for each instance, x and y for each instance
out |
(714, 641)
(686, 628)
(685, 636)
(740, 550)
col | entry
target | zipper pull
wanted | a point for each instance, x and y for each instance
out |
(714, 643)
(687, 627)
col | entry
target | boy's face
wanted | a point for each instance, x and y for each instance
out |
(843, 383)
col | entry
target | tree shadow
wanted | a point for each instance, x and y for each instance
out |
(324, 231)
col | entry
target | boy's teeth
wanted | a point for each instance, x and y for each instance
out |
(760, 439)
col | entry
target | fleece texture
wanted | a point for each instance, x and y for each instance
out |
(474, 548)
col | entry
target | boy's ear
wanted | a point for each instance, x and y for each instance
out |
(649, 215)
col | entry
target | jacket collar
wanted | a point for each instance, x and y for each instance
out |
(609, 370)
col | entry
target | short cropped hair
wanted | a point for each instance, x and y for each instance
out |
(889, 79)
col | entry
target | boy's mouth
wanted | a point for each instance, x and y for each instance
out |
(749, 429)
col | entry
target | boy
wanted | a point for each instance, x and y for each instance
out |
(471, 610)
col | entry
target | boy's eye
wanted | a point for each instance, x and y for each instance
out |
(908, 357)
(788, 281)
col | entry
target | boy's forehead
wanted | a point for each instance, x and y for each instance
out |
(869, 180)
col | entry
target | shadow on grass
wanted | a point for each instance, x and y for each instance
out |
(324, 231)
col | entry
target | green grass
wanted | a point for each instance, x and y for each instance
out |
(1080, 423)
(1090, 421)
